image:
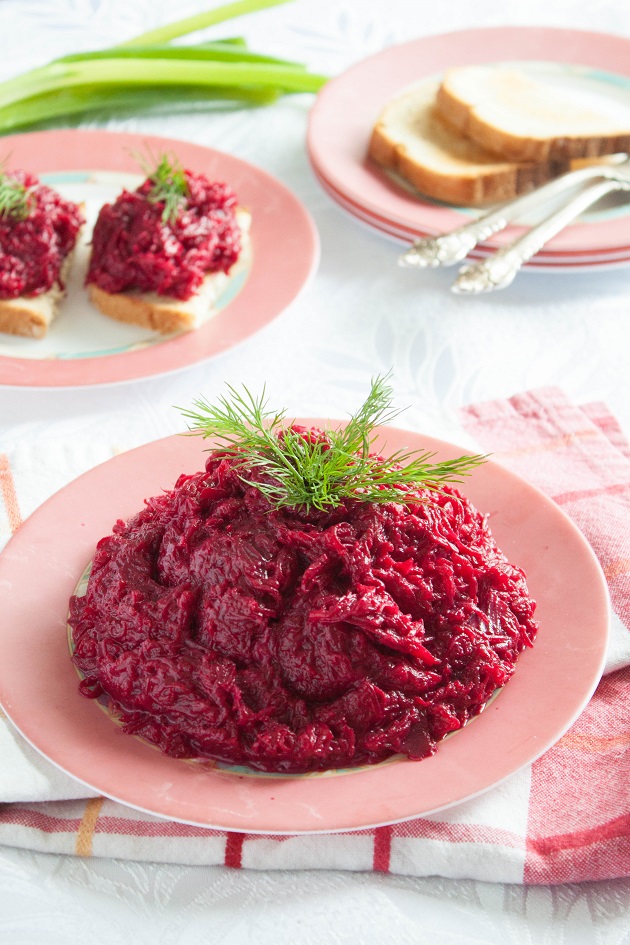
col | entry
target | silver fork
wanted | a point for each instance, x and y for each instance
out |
(450, 248)
(498, 270)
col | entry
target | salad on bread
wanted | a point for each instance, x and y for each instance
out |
(159, 256)
(162, 253)
(38, 234)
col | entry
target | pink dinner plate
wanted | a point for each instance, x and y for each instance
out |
(40, 568)
(347, 107)
(84, 347)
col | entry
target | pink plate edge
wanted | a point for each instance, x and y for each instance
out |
(406, 233)
(544, 262)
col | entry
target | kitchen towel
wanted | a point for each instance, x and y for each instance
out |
(565, 818)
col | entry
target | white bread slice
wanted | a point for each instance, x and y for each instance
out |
(411, 138)
(522, 119)
(30, 316)
(165, 314)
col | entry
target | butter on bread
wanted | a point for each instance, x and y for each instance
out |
(30, 316)
(166, 314)
(411, 138)
(521, 118)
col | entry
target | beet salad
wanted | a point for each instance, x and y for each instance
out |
(221, 623)
(166, 236)
(38, 230)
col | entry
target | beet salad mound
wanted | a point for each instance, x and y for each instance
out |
(38, 230)
(166, 236)
(223, 623)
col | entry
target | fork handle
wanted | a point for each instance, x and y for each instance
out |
(499, 269)
(450, 248)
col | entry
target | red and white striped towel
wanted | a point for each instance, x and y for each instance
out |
(566, 818)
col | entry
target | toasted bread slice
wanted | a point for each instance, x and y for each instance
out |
(522, 119)
(30, 316)
(165, 314)
(411, 138)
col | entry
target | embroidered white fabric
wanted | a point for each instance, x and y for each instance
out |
(566, 329)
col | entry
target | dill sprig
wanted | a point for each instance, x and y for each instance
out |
(298, 469)
(168, 184)
(16, 200)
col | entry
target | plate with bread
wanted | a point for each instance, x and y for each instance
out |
(126, 256)
(428, 135)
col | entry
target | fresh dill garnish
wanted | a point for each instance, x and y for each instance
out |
(16, 201)
(168, 184)
(292, 467)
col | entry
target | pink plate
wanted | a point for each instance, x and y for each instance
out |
(38, 683)
(84, 347)
(347, 107)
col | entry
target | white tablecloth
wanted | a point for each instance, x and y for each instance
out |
(362, 315)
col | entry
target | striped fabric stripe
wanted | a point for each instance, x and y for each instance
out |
(85, 831)
(9, 495)
(382, 849)
(234, 850)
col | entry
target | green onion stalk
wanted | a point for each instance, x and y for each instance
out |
(147, 70)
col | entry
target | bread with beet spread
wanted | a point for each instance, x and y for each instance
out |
(412, 139)
(163, 254)
(39, 230)
(219, 626)
(168, 314)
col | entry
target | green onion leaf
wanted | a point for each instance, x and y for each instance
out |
(151, 73)
(192, 24)
(216, 52)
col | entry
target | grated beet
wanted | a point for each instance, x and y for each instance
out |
(32, 251)
(133, 248)
(219, 628)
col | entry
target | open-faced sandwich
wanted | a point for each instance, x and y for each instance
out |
(163, 253)
(38, 234)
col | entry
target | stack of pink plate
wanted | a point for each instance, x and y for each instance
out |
(346, 109)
